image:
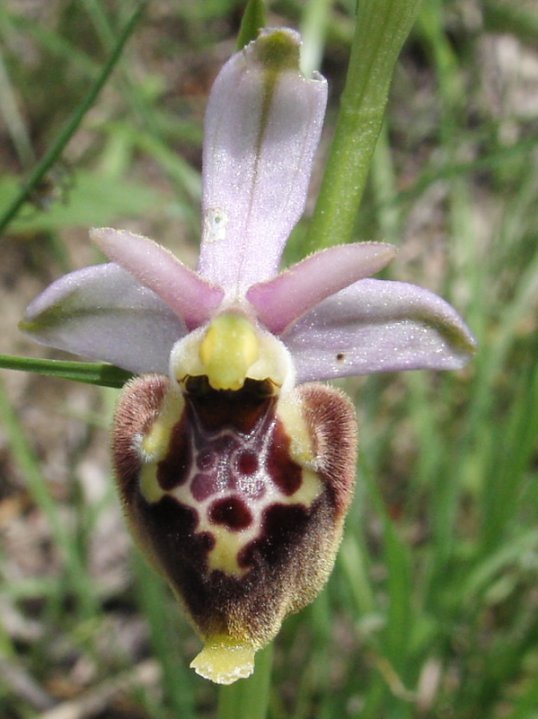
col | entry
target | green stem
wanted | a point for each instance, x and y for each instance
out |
(381, 29)
(248, 698)
(57, 147)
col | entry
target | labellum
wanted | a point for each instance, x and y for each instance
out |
(237, 496)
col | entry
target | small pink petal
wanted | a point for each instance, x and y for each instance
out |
(103, 313)
(192, 298)
(282, 300)
(378, 326)
(262, 128)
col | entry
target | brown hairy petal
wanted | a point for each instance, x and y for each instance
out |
(243, 528)
(333, 424)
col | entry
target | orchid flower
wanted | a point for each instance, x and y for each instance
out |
(234, 464)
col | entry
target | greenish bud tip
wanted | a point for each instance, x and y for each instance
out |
(278, 50)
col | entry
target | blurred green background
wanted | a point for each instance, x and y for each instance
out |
(432, 610)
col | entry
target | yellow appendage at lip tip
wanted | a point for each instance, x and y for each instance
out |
(230, 347)
(223, 661)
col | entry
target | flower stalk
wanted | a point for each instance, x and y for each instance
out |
(248, 698)
(381, 29)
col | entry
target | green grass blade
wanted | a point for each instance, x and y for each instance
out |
(161, 616)
(254, 18)
(29, 466)
(104, 375)
(56, 148)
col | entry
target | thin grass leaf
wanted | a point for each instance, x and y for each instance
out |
(87, 199)
(95, 373)
(253, 20)
(153, 597)
(56, 148)
(314, 23)
(29, 466)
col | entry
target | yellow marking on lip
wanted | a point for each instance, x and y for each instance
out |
(290, 413)
(149, 485)
(154, 444)
(228, 544)
(310, 489)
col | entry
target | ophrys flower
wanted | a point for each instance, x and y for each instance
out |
(234, 465)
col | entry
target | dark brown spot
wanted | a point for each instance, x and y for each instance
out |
(175, 468)
(171, 526)
(284, 472)
(232, 512)
(247, 463)
(283, 527)
(206, 459)
(224, 444)
(340, 357)
(203, 486)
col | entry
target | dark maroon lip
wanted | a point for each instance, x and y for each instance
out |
(232, 531)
